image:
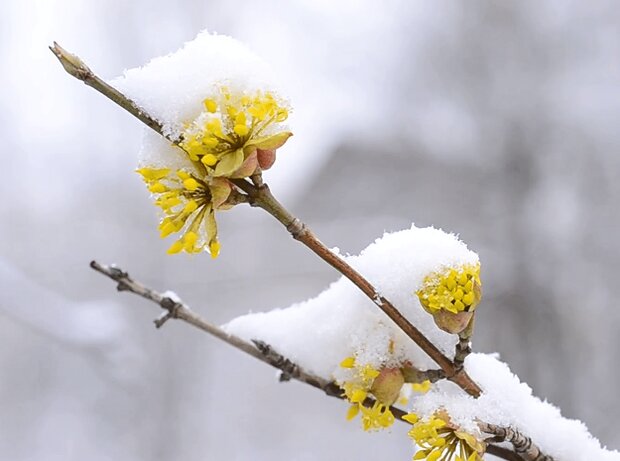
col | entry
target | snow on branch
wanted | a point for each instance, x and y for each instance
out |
(217, 120)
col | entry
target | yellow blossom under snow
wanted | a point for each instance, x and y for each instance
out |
(227, 135)
(453, 290)
(356, 391)
(438, 439)
(235, 134)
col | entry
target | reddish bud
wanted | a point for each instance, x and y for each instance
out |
(266, 158)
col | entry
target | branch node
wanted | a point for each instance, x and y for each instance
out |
(296, 228)
(288, 369)
(122, 286)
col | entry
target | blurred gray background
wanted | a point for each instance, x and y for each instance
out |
(494, 120)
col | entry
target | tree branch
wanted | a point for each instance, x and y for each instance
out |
(174, 308)
(260, 195)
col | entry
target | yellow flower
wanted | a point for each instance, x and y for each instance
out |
(437, 438)
(453, 290)
(422, 387)
(234, 128)
(234, 135)
(376, 417)
(188, 203)
(384, 385)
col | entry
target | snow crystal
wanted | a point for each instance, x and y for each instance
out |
(341, 321)
(506, 401)
(172, 88)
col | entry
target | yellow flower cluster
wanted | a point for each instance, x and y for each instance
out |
(235, 135)
(356, 391)
(454, 290)
(226, 137)
(188, 204)
(438, 439)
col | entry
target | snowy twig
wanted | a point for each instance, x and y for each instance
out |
(174, 308)
(263, 198)
(76, 67)
(259, 195)
(523, 445)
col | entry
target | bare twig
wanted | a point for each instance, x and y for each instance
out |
(76, 67)
(176, 309)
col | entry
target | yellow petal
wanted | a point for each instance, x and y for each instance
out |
(176, 247)
(210, 105)
(241, 130)
(270, 142)
(209, 159)
(353, 411)
(229, 163)
(190, 184)
(214, 249)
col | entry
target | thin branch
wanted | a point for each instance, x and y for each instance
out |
(523, 445)
(76, 67)
(174, 308)
(260, 195)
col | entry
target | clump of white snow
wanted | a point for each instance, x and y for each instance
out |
(506, 401)
(341, 321)
(172, 88)
(319, 333)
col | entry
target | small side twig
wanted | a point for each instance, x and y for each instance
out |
(413, 375)
(463, 347)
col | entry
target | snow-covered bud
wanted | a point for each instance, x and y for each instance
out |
(217, 102)
(451, 296)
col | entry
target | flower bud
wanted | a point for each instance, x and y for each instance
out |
(386, 387)
(266, 158)
(451, 296)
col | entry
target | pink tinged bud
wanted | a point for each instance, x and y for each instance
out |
(247, 168)
(386, 387)
(452, 323)
(266, 158)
